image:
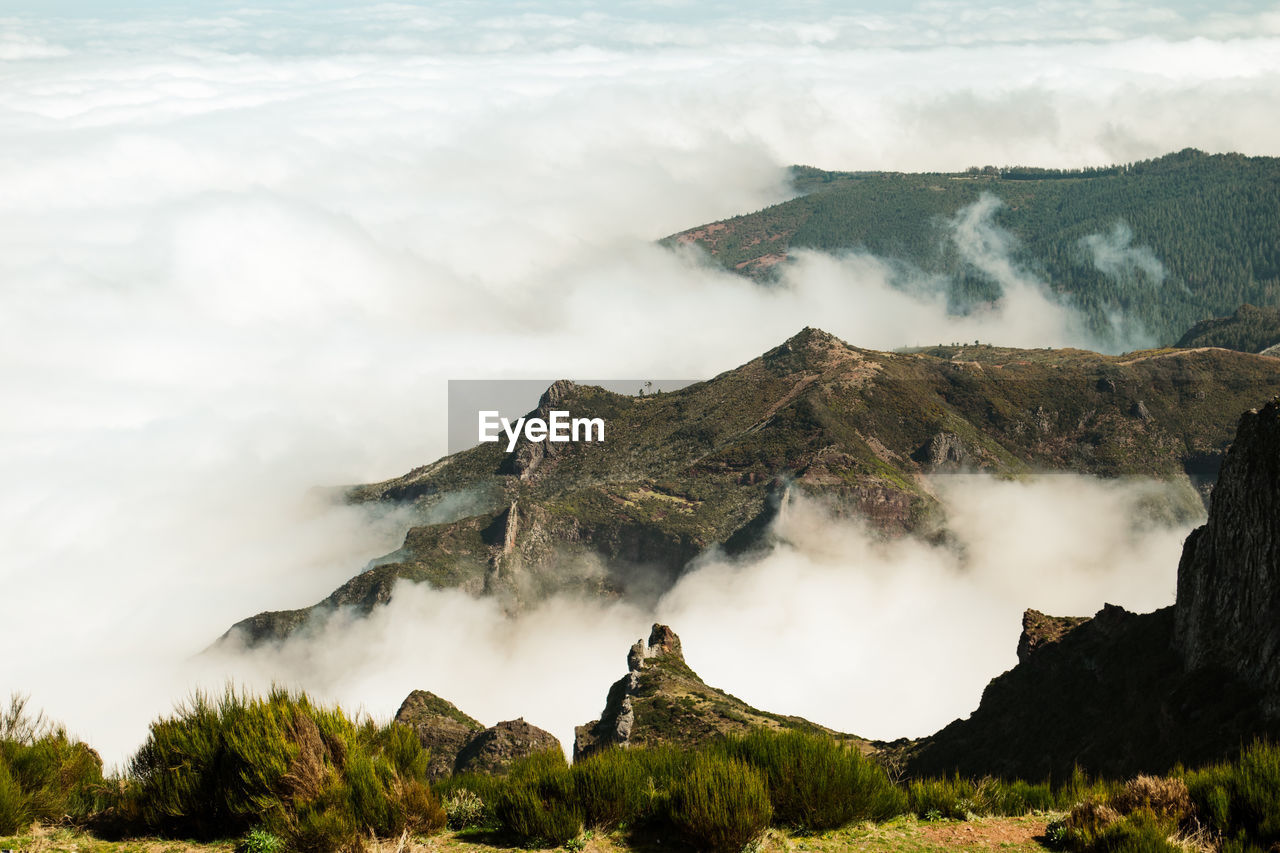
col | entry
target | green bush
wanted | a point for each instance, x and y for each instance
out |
(536, 803)
(1139, 832)
(720, 803)
(282, 763)
(1238, 799)
(615, 786)
(816, 782)
(959, 798)
(464, 809)
(45, 775)
(1149, 813)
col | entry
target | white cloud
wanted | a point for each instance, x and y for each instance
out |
(241, 254)
(882, 639)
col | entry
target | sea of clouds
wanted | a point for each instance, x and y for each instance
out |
(242, 250)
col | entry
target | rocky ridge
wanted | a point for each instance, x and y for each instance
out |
(706, 466)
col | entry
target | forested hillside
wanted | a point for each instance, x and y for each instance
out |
(1166, 242)
(1249, 329)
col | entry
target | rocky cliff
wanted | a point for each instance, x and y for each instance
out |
(1228, 612)
(661, 700)
(1122, 693)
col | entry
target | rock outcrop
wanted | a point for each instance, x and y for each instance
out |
(494, 749)
(1228, 612)
(662, 700)
(1039, 630)
(1123, 693)
(461, 744)
(440, 727)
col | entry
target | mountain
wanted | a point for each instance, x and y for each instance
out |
(662, 701)
(1124, 693)
(1249, 329)
(708, 465)
(1166, 242)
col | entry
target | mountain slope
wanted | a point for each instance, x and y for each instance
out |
(708, 465)
(1167, 242)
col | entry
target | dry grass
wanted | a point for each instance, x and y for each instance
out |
(1164, 796)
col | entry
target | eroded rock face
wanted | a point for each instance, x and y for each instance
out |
(494, 749)
(946, 449)
(1228, 612)
(440, 727)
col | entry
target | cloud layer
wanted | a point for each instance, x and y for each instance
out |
(882, 639)
(241, 253)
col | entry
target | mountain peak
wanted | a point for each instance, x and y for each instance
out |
(662, 700)
(808, 351)
(810, 338)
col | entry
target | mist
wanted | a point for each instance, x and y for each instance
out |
(883, 639)
(242, 251)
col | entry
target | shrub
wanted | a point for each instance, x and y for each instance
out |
(1238, 799)
(1162, 796)
(1086, 822)
(45, 775)
(464, 809)
(720, 804)
(1147, 814)
(1139, 832)
(296, 769)
(536, 803)
(614, 786)
(815, 782)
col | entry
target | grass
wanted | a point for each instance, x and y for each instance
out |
(901, 835)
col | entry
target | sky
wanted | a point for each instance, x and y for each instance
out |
(243, 248)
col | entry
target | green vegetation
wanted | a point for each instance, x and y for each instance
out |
(284, 774)
(1239, 799)
(1229, 806)
(280, 764)
(1210, 222)
(720, 804)
(816, 782)
(44, 773)
(1249, 329)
